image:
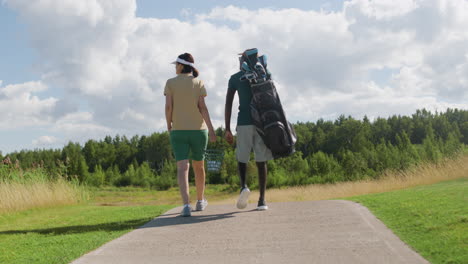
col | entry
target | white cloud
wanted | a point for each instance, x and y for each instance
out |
(20, 107)
(45, 141)
(101, 54)
(383, 9)
(80, 123)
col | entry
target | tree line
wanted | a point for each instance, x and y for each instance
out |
(345, 149)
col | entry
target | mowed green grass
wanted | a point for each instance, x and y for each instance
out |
(62, 234)
(432, 219)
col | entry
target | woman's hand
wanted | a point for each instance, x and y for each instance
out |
(229, 137)
(212, 136)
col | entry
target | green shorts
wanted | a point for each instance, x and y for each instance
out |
(185, 141)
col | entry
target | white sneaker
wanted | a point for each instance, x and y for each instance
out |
(243, 198)
(201, 205)
(262, 206)
(186, 211)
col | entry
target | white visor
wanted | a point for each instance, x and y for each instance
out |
(181, 61)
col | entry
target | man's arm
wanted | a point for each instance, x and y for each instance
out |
(227, 114)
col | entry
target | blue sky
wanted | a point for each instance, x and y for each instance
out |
(374, 58)
(161, 9)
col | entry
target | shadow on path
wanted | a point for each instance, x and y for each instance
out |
(163, 220)
(176, 219)
(113, 226)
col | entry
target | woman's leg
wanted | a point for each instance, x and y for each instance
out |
(182, 178)
(198, 143)
(199, 169)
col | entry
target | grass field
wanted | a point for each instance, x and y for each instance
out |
(423, 174)
(432, 219)
(27, 189)
(114, 196)
(62, 234)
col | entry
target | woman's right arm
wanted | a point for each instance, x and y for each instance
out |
(206, 116)
(169, 107)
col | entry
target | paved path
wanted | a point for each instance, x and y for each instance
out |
(294, 232)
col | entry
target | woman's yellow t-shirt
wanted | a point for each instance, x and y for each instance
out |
(185, 91)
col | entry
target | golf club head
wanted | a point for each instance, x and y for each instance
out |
(259, 68)
(251, 76)
(251, 56)
(241, 61)
(245, 67)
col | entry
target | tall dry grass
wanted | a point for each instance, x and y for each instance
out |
(21, 190)
(423, 174)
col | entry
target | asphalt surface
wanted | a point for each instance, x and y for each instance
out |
(294, 232)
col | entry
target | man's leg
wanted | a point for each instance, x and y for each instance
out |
(242, 167)
(262, 175)
(262, 155)
(244, 147)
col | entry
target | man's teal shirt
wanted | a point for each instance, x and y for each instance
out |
(245, 96)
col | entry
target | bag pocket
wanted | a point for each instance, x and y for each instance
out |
(277, 137)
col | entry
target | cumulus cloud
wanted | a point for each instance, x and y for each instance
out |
(100, 53)
(80, 126)
(21, 107)
(45, 141)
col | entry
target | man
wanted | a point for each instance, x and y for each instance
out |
(247, 139)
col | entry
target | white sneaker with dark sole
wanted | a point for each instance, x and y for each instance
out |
(261, 206)
(243, 198)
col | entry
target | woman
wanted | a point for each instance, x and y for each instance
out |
(187, 120)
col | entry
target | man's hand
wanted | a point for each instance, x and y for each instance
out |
(229, 137)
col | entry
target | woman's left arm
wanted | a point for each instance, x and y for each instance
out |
(169, 107)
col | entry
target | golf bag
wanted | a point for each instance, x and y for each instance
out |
(266, 109)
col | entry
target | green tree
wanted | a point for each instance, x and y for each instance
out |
(354, 165)
(144, 176)
(91, 155)
(408, 152)
(75, 162)
(97, 178)
(431, 149)
(324, 168)
(112, 175)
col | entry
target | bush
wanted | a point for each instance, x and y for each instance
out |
(168, 176)
(97, 178)
(112, 175)
(229, 172)
(354, 166)
(277, 177)
(324, 168)
(144, 177)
